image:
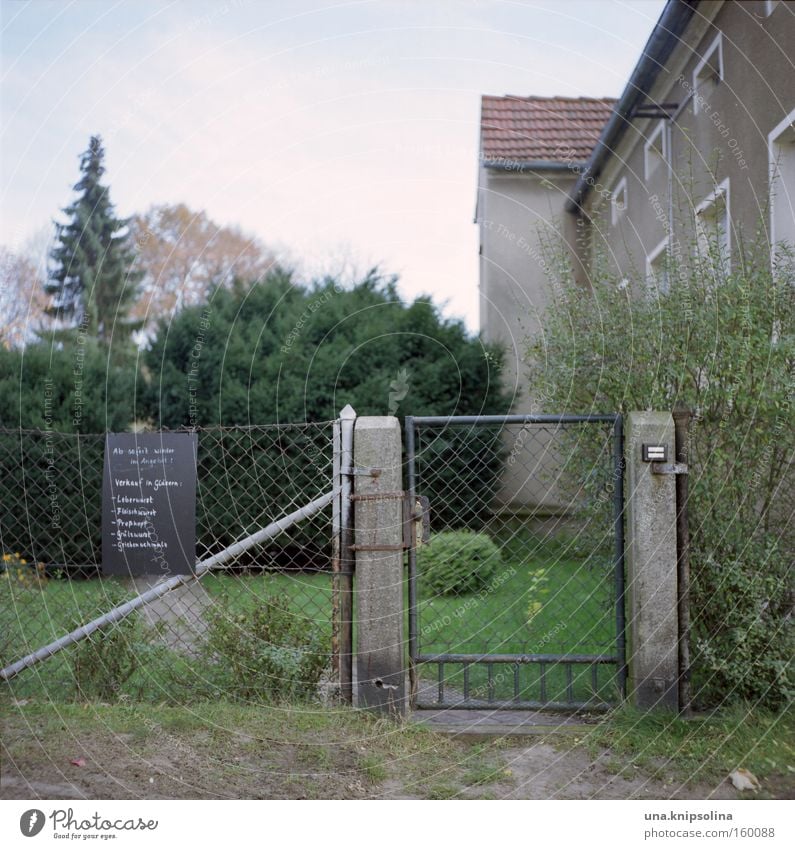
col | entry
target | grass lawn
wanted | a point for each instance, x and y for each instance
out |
(544, 600)
(35, 614)
(569, 611)
(699, 749)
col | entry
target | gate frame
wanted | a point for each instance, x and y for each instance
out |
(620, 659)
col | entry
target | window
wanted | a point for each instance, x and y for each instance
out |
(708, 72)
(655, 151)
(713, 228)
(769, 6)
(657, 267)
(781, 152)
(618, 201)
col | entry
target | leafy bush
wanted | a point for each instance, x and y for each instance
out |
(263, 652)
(723, 342)
(317, 348)
(105, 661)
(458, 562)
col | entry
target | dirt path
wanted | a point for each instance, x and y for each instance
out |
(218, 751)
(540, 770)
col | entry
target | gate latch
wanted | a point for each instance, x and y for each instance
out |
(416, 521)
(669, 468)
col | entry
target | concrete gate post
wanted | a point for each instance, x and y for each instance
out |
(378, 538)
(651, 561)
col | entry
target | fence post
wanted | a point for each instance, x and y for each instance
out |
(651, 558)
(342, 556)
(378, 533)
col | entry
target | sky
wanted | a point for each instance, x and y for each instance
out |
(343, 135)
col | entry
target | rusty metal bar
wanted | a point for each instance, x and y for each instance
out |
(618, 556)
(682, 416)
(336, 628)
(516, 658)
(484, 704)
(411, 484)
(347, 519)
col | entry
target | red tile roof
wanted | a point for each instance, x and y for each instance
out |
(545, 129)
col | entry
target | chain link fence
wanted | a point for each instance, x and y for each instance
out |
(257, 627)
(515, 596)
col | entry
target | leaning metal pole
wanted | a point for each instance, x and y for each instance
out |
(124, 610)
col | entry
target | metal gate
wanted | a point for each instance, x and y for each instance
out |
(518, 599)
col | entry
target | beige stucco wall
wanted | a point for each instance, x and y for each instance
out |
(517, 214)
(727, 138)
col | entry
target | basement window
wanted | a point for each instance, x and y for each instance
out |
(708, 72)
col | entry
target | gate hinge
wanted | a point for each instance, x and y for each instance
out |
(416, 521)
(669, 468)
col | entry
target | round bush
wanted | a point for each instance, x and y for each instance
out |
(458, 562)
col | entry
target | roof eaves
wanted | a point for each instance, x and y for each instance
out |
(499, 163)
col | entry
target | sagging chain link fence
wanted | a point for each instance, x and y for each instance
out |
(517, 600)
(256, 626)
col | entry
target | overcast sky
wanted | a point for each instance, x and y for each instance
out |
(336, 132)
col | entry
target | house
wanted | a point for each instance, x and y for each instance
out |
(700, 146)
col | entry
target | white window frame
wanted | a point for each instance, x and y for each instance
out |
(772, 157)
(617, 211)
(651, 258)
(716, 45)
(722, 190)
(648, 169)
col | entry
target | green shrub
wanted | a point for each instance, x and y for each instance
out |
(264, 652)
(458, 562)
(723, 343)
(357, 340)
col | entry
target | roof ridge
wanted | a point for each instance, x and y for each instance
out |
(541, 98)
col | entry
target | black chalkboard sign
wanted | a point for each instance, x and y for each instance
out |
(149, 504)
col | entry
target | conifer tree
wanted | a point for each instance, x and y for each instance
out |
(93, 283)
